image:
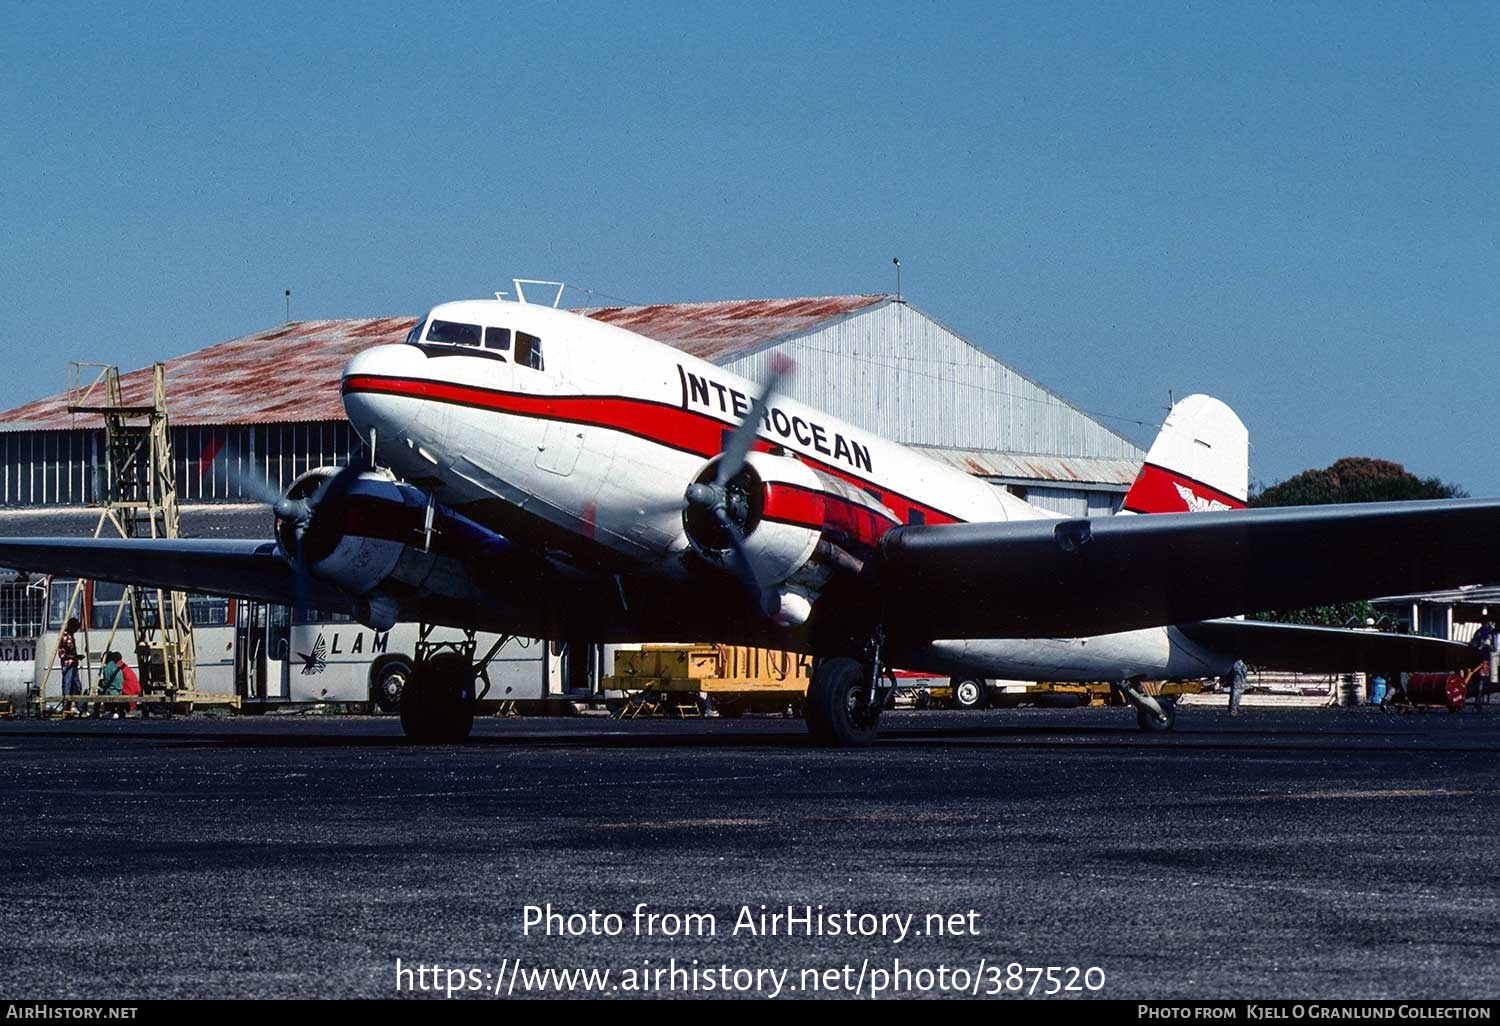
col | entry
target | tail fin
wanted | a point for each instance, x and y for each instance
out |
(1200, 461)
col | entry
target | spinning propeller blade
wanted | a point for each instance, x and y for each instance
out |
(713, 496)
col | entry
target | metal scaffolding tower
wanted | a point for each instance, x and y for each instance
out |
(137, 488)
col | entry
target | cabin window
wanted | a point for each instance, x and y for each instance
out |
(452, 333)
(497, 338)
(916, 516)
(414, 336)
(528, 350)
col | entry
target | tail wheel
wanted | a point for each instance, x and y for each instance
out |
(437, 703)
(388, 682)
(838, 709)
(1152, 723)
(970, 693)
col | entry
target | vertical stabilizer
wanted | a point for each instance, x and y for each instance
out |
(1200, 461)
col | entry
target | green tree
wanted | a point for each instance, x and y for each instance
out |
(1351, 479)
(1354, 479)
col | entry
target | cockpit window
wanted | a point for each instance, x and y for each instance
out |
(528, 350)
(451, 333)
(415, 334)
(497, 338)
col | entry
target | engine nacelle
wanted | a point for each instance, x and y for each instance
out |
(372, 538)
(799, 523)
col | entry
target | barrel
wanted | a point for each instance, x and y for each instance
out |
(1437, 689)
(1351, 691)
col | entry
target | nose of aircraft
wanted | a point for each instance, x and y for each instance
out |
(377, 390)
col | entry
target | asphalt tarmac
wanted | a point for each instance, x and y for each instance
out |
(1300, 853)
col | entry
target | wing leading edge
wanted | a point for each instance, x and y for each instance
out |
(245, 569)
(1072, 578)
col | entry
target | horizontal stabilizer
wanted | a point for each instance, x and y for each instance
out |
(1305, 649)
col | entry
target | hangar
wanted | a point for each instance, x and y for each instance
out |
(270, 401)
(266, 406)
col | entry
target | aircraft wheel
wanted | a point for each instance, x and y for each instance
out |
(437, 703)
(838, 714)
(970, 693)
(1151, 723)
(387, 684)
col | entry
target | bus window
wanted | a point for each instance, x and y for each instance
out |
(208, 610)
(109, 602)
(528, 350)
(301, 615)
(58, 601)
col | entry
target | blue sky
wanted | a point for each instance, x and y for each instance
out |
(1295, 207)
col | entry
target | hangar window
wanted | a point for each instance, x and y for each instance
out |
(528, 351)
(497, 338)
(451, 333)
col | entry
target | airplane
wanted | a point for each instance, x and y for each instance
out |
(532, 471)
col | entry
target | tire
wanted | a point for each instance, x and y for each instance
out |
(836, 713)
(437, 703)
(1148, 722)
(970, 693)
(387, 681)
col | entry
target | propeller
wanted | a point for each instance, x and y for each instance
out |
(715, 497)
(294, 513)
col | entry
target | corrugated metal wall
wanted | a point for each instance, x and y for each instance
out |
(897, 372)
(61, 468)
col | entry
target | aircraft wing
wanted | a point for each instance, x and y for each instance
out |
(1285, 646)
(1071, 578)
(245, 569)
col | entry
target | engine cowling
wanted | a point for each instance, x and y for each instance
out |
(799, 525)
(370, 537)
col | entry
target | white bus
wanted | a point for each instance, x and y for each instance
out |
(273, 656)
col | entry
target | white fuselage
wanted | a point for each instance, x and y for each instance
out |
(598, 431)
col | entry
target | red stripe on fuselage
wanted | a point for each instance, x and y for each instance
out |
(672, 426)
(825, 512)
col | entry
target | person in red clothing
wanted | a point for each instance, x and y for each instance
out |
(132, 685)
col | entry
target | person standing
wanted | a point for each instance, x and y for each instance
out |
(67, 659)
(1237, 678)
(1487, 641)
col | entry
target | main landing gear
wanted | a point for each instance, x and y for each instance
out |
(845, 697)
(438, 699)
(1152, 714)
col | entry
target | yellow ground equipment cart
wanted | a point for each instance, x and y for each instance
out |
(689, 680)
(1046, 694)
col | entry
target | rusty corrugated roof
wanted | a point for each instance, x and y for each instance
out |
(720, 331)
(287, 373)
(1025, 467)
(291, 372)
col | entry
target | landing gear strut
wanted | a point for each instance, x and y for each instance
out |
(846, 695)
(1152, 714)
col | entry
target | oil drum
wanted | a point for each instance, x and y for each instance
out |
(1437, 689)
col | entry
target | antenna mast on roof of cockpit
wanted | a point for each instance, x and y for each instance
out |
(521, 293)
